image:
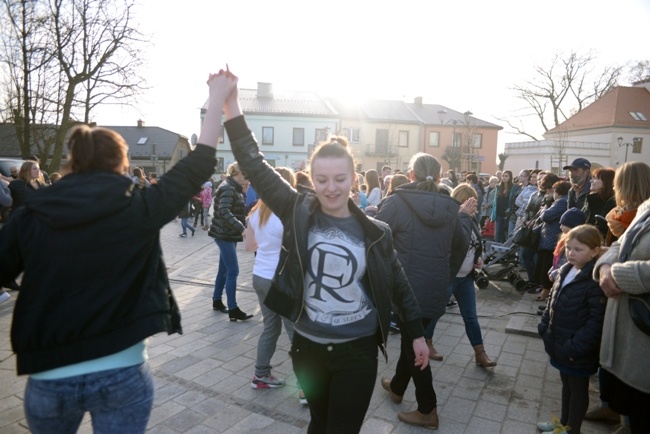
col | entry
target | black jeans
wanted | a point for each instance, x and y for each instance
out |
(337, 379)
(575, 401)
(406, 369)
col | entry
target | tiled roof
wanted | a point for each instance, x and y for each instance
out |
(429, 115)
(294, 103)
(165, 140)
(391, 111)
(611, 110)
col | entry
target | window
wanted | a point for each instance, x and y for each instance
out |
(434, 138)
(478, 141)
(638, 116)
(637, 145)
(381, 141)
(298, 137)
(220, 166)
(403, 139)
(267, 135)
(352, 134)
(143, 140)
(320, 135)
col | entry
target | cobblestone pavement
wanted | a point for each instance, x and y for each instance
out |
(202, 378)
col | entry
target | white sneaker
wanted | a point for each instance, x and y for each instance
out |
(4, 296)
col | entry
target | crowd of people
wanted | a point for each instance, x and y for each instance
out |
(342, 258)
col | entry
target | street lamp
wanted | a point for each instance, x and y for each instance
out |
(627, 145)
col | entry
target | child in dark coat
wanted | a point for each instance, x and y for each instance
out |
(572, 325)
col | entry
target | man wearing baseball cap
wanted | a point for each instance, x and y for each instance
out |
(580, 170)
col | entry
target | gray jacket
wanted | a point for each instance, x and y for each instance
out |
(625, 349)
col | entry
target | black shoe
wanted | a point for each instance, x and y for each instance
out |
(393, 327)
(183, 235)
(236, 314)
(193, 230)
(218, 305)
(452, 303)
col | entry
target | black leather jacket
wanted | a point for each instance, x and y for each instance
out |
(388, 283)
(229, 212)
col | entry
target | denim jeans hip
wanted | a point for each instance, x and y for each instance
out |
(119, 401)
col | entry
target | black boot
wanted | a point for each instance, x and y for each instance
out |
(236, 314)
(218, 305)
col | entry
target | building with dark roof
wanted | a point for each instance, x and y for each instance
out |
(153, 148)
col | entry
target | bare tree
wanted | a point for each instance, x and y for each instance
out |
(83, 53)
(26, 85)
(559, 147)
(639, 71)
(563, 87)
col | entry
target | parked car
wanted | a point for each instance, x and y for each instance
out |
(5, 164)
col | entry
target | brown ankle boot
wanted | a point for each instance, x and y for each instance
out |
(482, 358)
(433, 354)
(416, 418)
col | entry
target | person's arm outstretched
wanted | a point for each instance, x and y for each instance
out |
(222, 87)
(268, 184)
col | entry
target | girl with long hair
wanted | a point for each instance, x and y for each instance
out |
(374, 188)
(631, 189)
(95, 285)
(336, 279)
(600, 200)
(227, 229)
(462, 286)
(29, 180)
(264, 237)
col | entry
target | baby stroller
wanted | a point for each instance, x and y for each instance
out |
(500, 262)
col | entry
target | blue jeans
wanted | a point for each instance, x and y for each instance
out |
(501, 229)
(227, 273)
(465, 293)
(272, 327)
(185, 224)
(119, 401)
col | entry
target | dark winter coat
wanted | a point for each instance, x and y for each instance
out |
(229, 216)
(95, 282)
(577, 200)
(572, 323)
(387, 281)
(550, 233)
(431, 240)
(595, 205)
(20, 192)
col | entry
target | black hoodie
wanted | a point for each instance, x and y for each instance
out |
(95, 282)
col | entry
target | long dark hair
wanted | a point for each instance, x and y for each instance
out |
(504, 187)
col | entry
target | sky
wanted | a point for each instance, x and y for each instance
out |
(465, 55)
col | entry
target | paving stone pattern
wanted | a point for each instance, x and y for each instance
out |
(202, 378)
